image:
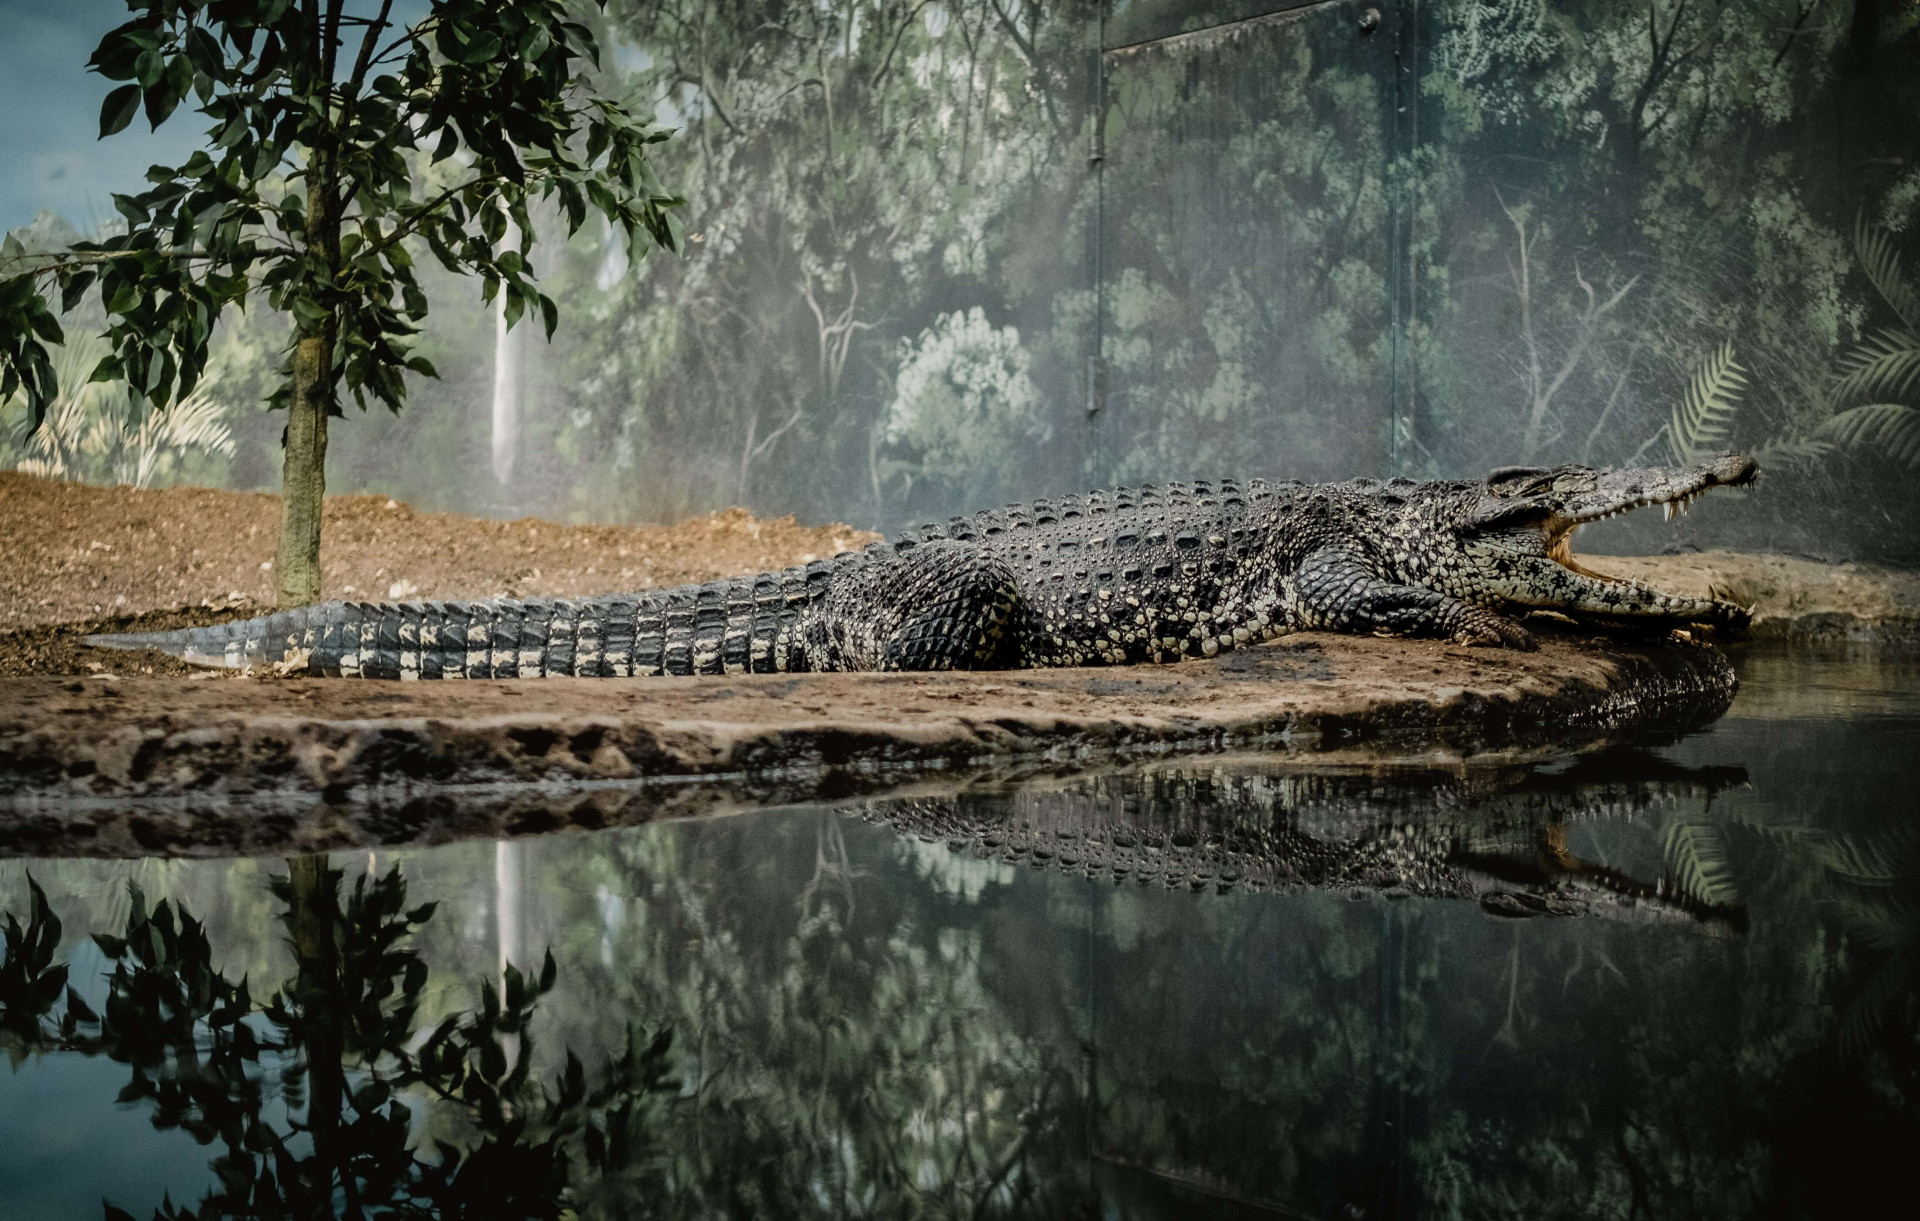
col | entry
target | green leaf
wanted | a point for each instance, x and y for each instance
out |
(161, 101)
(204, 51)
(125, 297)
(75, 288)
(482, 49)
(118, 110)
(79, 1008)
(45, 325)
(149, 68)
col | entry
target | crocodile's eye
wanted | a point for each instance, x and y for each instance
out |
(1518, 480)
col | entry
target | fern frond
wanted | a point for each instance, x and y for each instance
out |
(1695, 863)
(1788, 450)
(1704, 413)
(1893, 428)
(1881, 923)
(1887, 997)
(1880, 858)
(1881, 262)
(1882, 366)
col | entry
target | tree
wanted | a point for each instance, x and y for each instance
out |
(307, 195)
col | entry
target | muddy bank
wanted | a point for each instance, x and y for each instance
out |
(144, 765)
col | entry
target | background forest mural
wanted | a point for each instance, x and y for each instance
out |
(940, 255)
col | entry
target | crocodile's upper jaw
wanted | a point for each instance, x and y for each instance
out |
(1616, 492)
(1585, 496)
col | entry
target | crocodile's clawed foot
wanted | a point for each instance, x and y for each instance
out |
(1490, 631)
(1731, 617)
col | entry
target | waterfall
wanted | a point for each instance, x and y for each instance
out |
(507, 890)
(509, 379)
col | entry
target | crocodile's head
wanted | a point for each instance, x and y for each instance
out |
(1515, 534)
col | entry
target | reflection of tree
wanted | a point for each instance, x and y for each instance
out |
(875, 1024)
(307, 1093)
(842, 1047)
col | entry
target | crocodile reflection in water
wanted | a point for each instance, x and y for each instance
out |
(1496, 837)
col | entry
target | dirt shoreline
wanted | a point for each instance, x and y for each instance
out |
(145, 765)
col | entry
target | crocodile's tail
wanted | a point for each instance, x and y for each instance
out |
(747, 624)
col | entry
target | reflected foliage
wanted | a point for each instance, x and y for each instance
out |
(306, 1092)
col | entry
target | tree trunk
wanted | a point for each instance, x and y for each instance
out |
(303, 484)
(296, 561)
(312, 917)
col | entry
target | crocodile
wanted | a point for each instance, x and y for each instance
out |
(1131, 575)
(1501, 838)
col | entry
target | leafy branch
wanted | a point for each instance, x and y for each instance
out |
(341, 1036)
(313, 190)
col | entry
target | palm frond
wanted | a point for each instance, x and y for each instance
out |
(1884, 365)
(1695, 863)
(87, 435)
(1704, 413)
(1881, 262)
(1893, 428)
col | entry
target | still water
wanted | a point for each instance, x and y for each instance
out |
(1674, 978)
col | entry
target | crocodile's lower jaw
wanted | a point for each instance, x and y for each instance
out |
(1561, 553)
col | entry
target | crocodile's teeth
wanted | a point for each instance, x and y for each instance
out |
(1668, 507)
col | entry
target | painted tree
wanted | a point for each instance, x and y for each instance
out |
(341, 142)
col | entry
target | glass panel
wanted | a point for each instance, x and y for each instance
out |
(1244, 251)
(1623, 202)
(1134, 21)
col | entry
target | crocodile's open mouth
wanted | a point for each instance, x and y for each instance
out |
(1672, 497)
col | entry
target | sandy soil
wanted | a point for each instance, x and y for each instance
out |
(75, 560)
(72, 552)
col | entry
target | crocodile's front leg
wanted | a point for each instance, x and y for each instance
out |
(1336, 590)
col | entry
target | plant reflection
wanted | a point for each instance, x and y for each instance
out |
(870, 1022)
(305, 1092)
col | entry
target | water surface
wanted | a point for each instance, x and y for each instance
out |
(1675, 978)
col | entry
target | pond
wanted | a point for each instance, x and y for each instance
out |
(1673, 977)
